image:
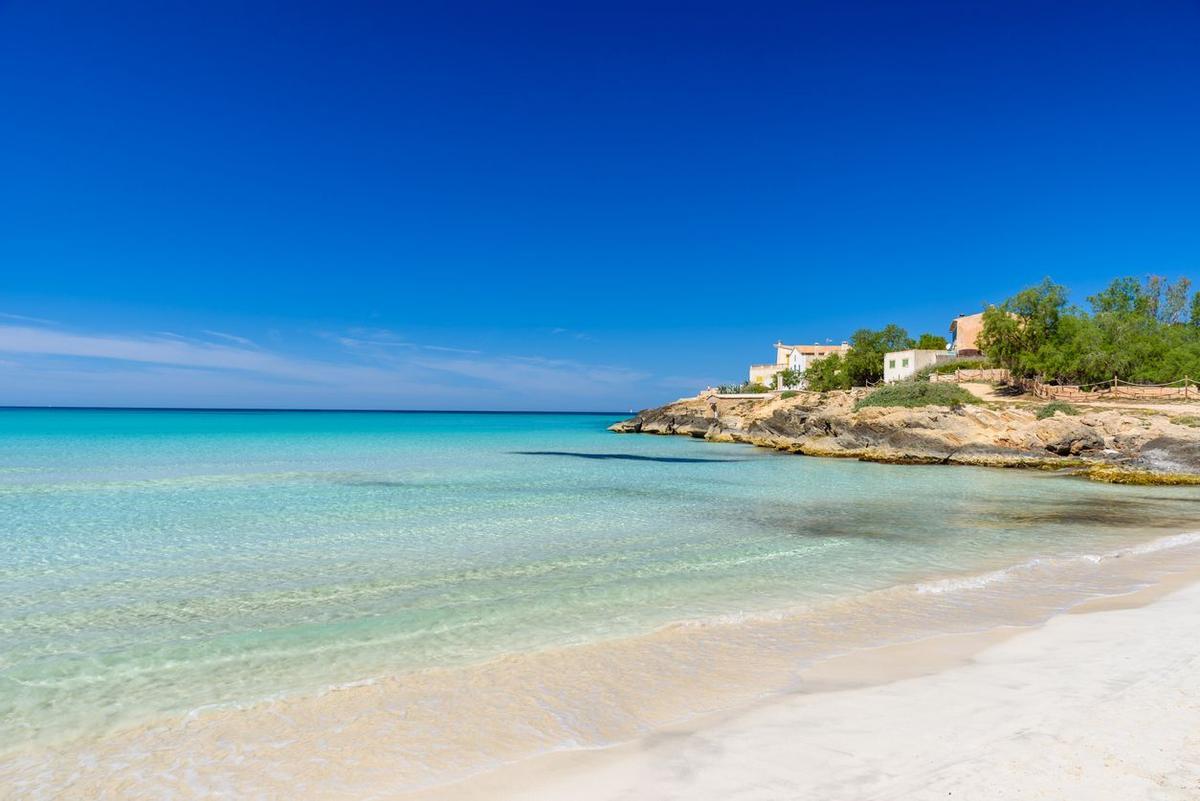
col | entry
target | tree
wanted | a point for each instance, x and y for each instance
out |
(1134, 331)
(828, 373)
(788, 378)
(1122, 296)
(1174, 302)
(931, 342)
(1016, 330)
(864, 362)
(1154, 297)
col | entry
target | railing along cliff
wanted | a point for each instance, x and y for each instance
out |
(1186, 388)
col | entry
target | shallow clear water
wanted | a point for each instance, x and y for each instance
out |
(154, 563)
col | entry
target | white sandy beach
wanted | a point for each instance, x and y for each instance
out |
(1099, 705)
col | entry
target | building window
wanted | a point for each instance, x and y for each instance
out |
(892, 364)
(905, 363)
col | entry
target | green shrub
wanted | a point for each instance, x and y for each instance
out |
(912, 394)
(950, 365)
(791, 393)
(1051, 408)
(1191, 421)
(742, 389)
(828, 374)
(788, 378)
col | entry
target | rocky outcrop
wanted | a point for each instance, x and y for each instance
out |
(994, 434)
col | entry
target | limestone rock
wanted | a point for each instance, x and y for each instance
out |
(827, 425)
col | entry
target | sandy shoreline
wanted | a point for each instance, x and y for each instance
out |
(754, 707)
(1100, 703)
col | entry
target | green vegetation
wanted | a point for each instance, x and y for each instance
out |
(827, 374)
(949, 366)
(789, 378)
(1135, 330)
(911, 394)
(931, 342)
(1189, 420)
(1112, 474)
(739, 389)
(1054, 407)
(788, 394)
(862, 364)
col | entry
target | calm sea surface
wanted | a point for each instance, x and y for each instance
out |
(159, 564)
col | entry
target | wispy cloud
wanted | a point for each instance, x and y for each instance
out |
(366, 338)
(582, 336)
(558, 376)
(372, 368)
(26, 319)
(231, 338)
(163, 349)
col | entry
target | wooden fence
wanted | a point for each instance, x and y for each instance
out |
(1186, 388)
(986, 375)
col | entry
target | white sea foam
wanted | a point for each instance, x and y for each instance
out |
(1160, 544)
(982, 580)
(975, 582)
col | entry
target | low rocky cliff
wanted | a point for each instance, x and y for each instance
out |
(1110, 444)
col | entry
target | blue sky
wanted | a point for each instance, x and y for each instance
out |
(558, 205)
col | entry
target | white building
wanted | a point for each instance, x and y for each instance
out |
(797, 358)
(901, 364)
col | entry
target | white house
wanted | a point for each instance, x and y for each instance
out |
(797, 358)
(901, 364)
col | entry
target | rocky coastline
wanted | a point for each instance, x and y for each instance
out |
(1126, 445)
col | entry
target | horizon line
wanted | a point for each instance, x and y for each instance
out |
(289, 409)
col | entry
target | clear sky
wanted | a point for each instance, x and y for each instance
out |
(558, 205)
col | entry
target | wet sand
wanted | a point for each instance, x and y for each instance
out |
(1102, 703)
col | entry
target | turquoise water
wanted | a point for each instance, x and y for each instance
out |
(155, 562)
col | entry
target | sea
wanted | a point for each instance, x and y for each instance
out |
(253, 604)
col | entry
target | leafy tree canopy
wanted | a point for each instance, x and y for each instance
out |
(1142, 331)
(931, 342)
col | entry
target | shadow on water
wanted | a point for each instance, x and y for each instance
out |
(627, 456)
(890, 518)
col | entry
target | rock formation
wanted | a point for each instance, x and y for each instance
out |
(1139, 443)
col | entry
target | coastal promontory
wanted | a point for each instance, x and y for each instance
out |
(1124, 444)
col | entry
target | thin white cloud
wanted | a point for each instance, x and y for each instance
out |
(558, 376)
(354, 342)
(61, 366)
(26, 319)
(582, 336)
(231, 338)
(364, 338)
(163, 350)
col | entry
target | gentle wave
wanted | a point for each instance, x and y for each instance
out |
(982, 580)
